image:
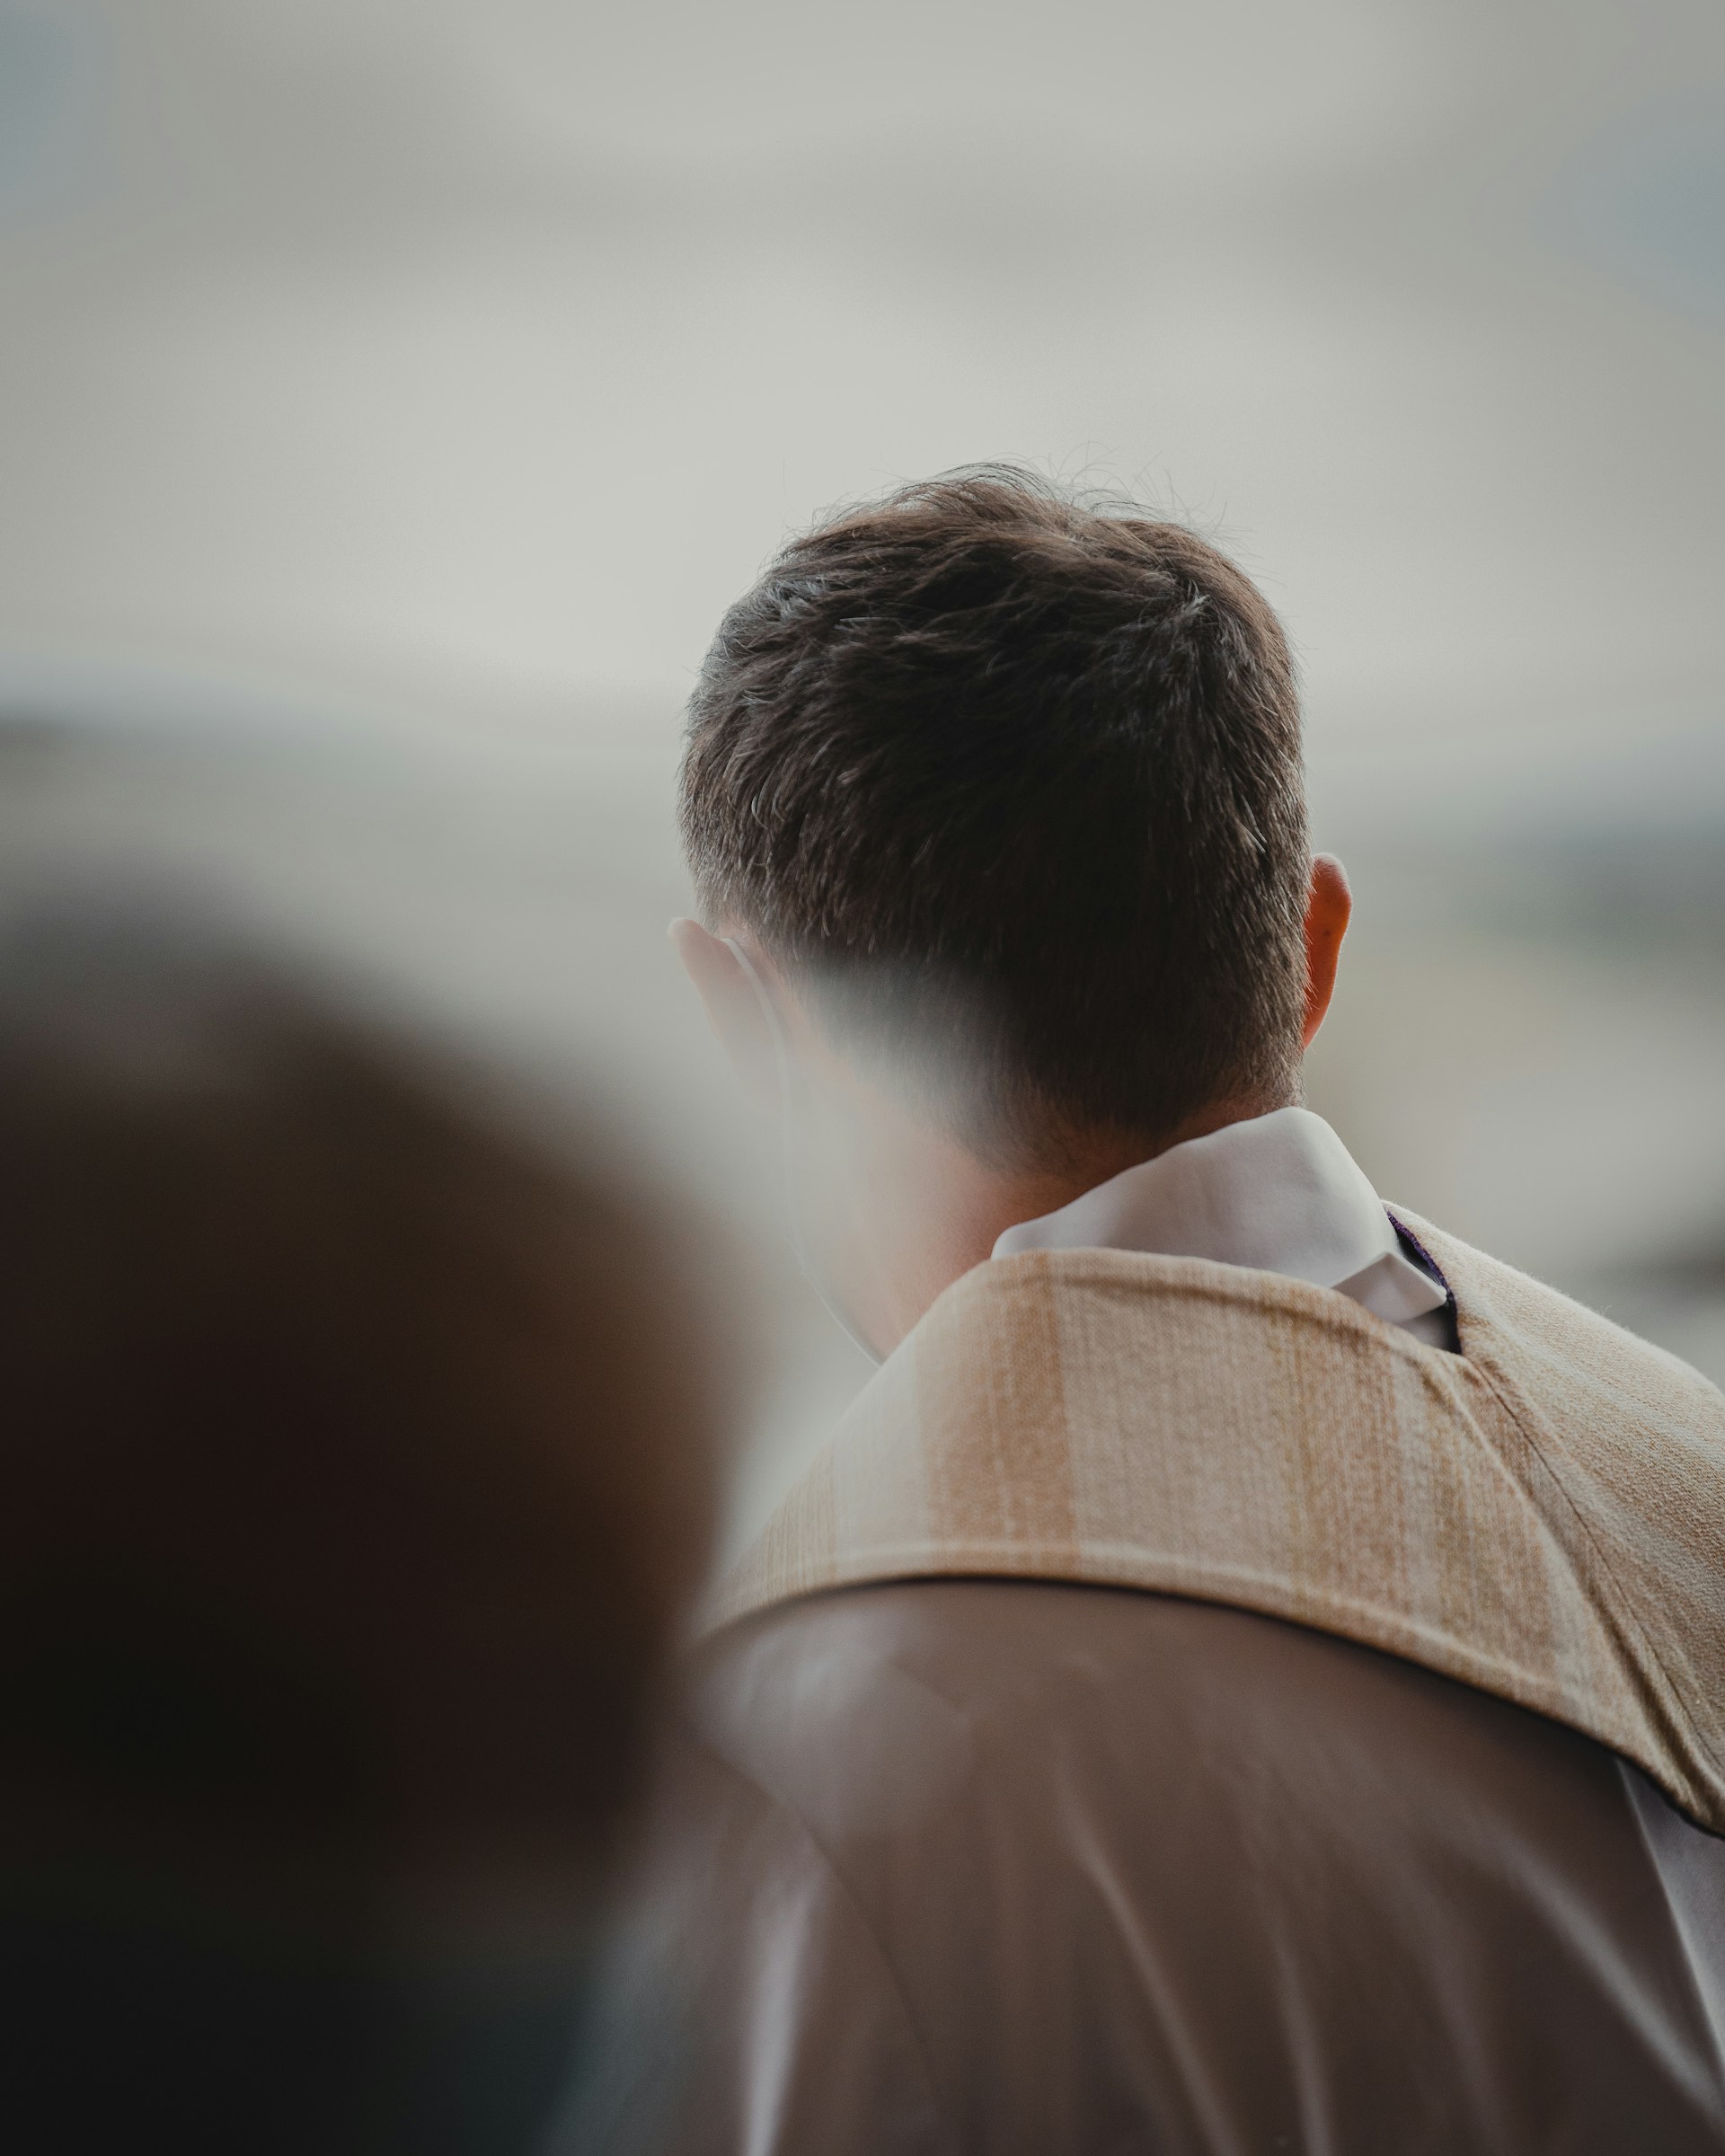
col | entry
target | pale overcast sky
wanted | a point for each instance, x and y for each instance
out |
(477, 353)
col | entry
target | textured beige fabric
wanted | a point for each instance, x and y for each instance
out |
(1541, 1516)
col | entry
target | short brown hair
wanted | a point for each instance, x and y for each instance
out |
(985, 746)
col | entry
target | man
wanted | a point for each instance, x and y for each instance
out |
(353, 1491)
(1249, 1674)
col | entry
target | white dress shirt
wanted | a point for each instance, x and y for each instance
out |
(1279, 1193)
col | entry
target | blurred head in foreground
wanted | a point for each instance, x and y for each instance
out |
(996, 812)
(354, 1468)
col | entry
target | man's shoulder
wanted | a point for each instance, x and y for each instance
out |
(1541, 1516)
(1509, 1314)
(868, 1707)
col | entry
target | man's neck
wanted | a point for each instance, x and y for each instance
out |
(1088, 1158)
(939, 1209)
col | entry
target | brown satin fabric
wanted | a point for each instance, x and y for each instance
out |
(1016, 1869)
(1541, 1516)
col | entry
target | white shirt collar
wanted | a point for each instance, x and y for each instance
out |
(1281, 1193)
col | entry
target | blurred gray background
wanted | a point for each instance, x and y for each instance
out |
(394, 392)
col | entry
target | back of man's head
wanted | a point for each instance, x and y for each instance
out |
(351, 1480)
(982, 759)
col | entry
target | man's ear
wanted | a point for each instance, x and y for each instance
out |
(1328, 907)
(733, 1007)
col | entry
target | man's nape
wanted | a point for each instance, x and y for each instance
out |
(891, 1204)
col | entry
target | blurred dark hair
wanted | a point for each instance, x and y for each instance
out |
(981, 749)
(354, 1471)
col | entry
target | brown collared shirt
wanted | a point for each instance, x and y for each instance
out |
(978, 1869)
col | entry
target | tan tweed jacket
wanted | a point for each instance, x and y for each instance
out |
(1541, 1516)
